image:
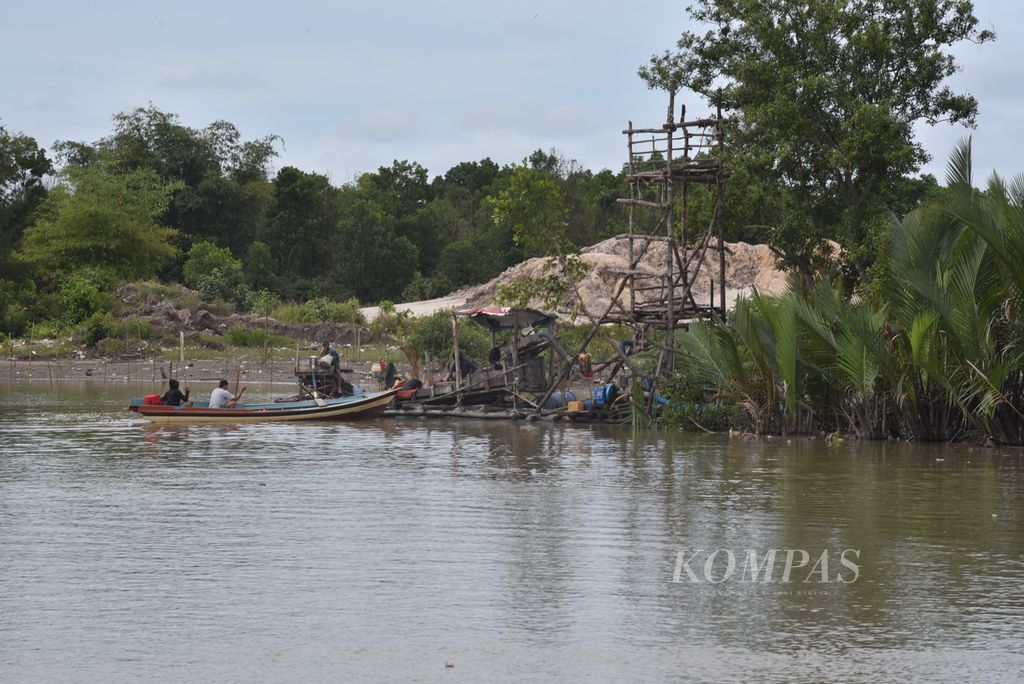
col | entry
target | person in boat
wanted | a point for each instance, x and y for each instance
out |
(174, 396)
(328, 355)
(327, 350)
(222, 398)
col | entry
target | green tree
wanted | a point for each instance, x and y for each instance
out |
(23, 164)
(224, 193)
(822, 97)
(259, 265)
(400, 189)
(377, 261)
(533, 208)
(98, 219)
(466, 262)
(302, 222)
(215, 273)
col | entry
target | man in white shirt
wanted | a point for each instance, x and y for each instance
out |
(221, 398)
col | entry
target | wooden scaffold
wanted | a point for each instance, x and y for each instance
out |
(664, 164)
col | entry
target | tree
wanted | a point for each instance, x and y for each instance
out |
(302, 221)
(400, 189)
(377, 261)
(466, 262)
(23, 164)
(533, 208)
(822, 97)
(259, 265)
(224, 194)
(98, 219)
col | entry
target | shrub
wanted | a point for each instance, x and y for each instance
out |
(17, 320)
(97, 327)
(699, 417)
(289, 313)
(47, 330)
(321, 310)
(215, 274)
(419, 288)
(347, 311)
(204, 258)
(134, 328)
(110, 347)
(79, 299)
(180, 296)
(433, 334)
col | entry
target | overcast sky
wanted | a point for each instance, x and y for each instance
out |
(352, 86)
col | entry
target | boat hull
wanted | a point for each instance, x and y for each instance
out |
(333, 409)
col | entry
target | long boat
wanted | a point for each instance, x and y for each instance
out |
(342, 408)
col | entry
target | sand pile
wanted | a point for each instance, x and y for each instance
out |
(746, 267)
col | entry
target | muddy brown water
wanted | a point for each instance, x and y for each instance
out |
(381, 550)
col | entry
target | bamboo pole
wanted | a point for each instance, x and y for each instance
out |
(455, 351)
(182, 366)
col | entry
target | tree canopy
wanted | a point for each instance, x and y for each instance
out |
(822, 97)
(98, 219)
(23, 165)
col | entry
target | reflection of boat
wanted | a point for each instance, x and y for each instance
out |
(324, 409)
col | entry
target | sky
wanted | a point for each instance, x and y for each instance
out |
(352, 86)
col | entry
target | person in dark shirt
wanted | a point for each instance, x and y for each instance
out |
(174, 396)
(341, 387)
(466, 367)
(327, 350)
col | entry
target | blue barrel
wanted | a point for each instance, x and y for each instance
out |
(559, 399)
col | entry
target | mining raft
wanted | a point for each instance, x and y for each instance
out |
(518, 380)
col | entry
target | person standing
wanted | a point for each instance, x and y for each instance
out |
(390, 374)
(222, 398)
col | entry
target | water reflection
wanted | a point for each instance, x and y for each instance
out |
(379, 549)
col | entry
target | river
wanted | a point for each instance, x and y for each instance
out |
(386, 550)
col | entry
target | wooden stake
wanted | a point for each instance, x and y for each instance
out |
(455, 351)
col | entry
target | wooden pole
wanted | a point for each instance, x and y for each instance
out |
(182, 366)
(663, 362)
(455, 350)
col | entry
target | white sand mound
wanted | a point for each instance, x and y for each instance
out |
(746, 267)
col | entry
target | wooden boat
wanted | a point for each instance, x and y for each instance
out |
(344, 408)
